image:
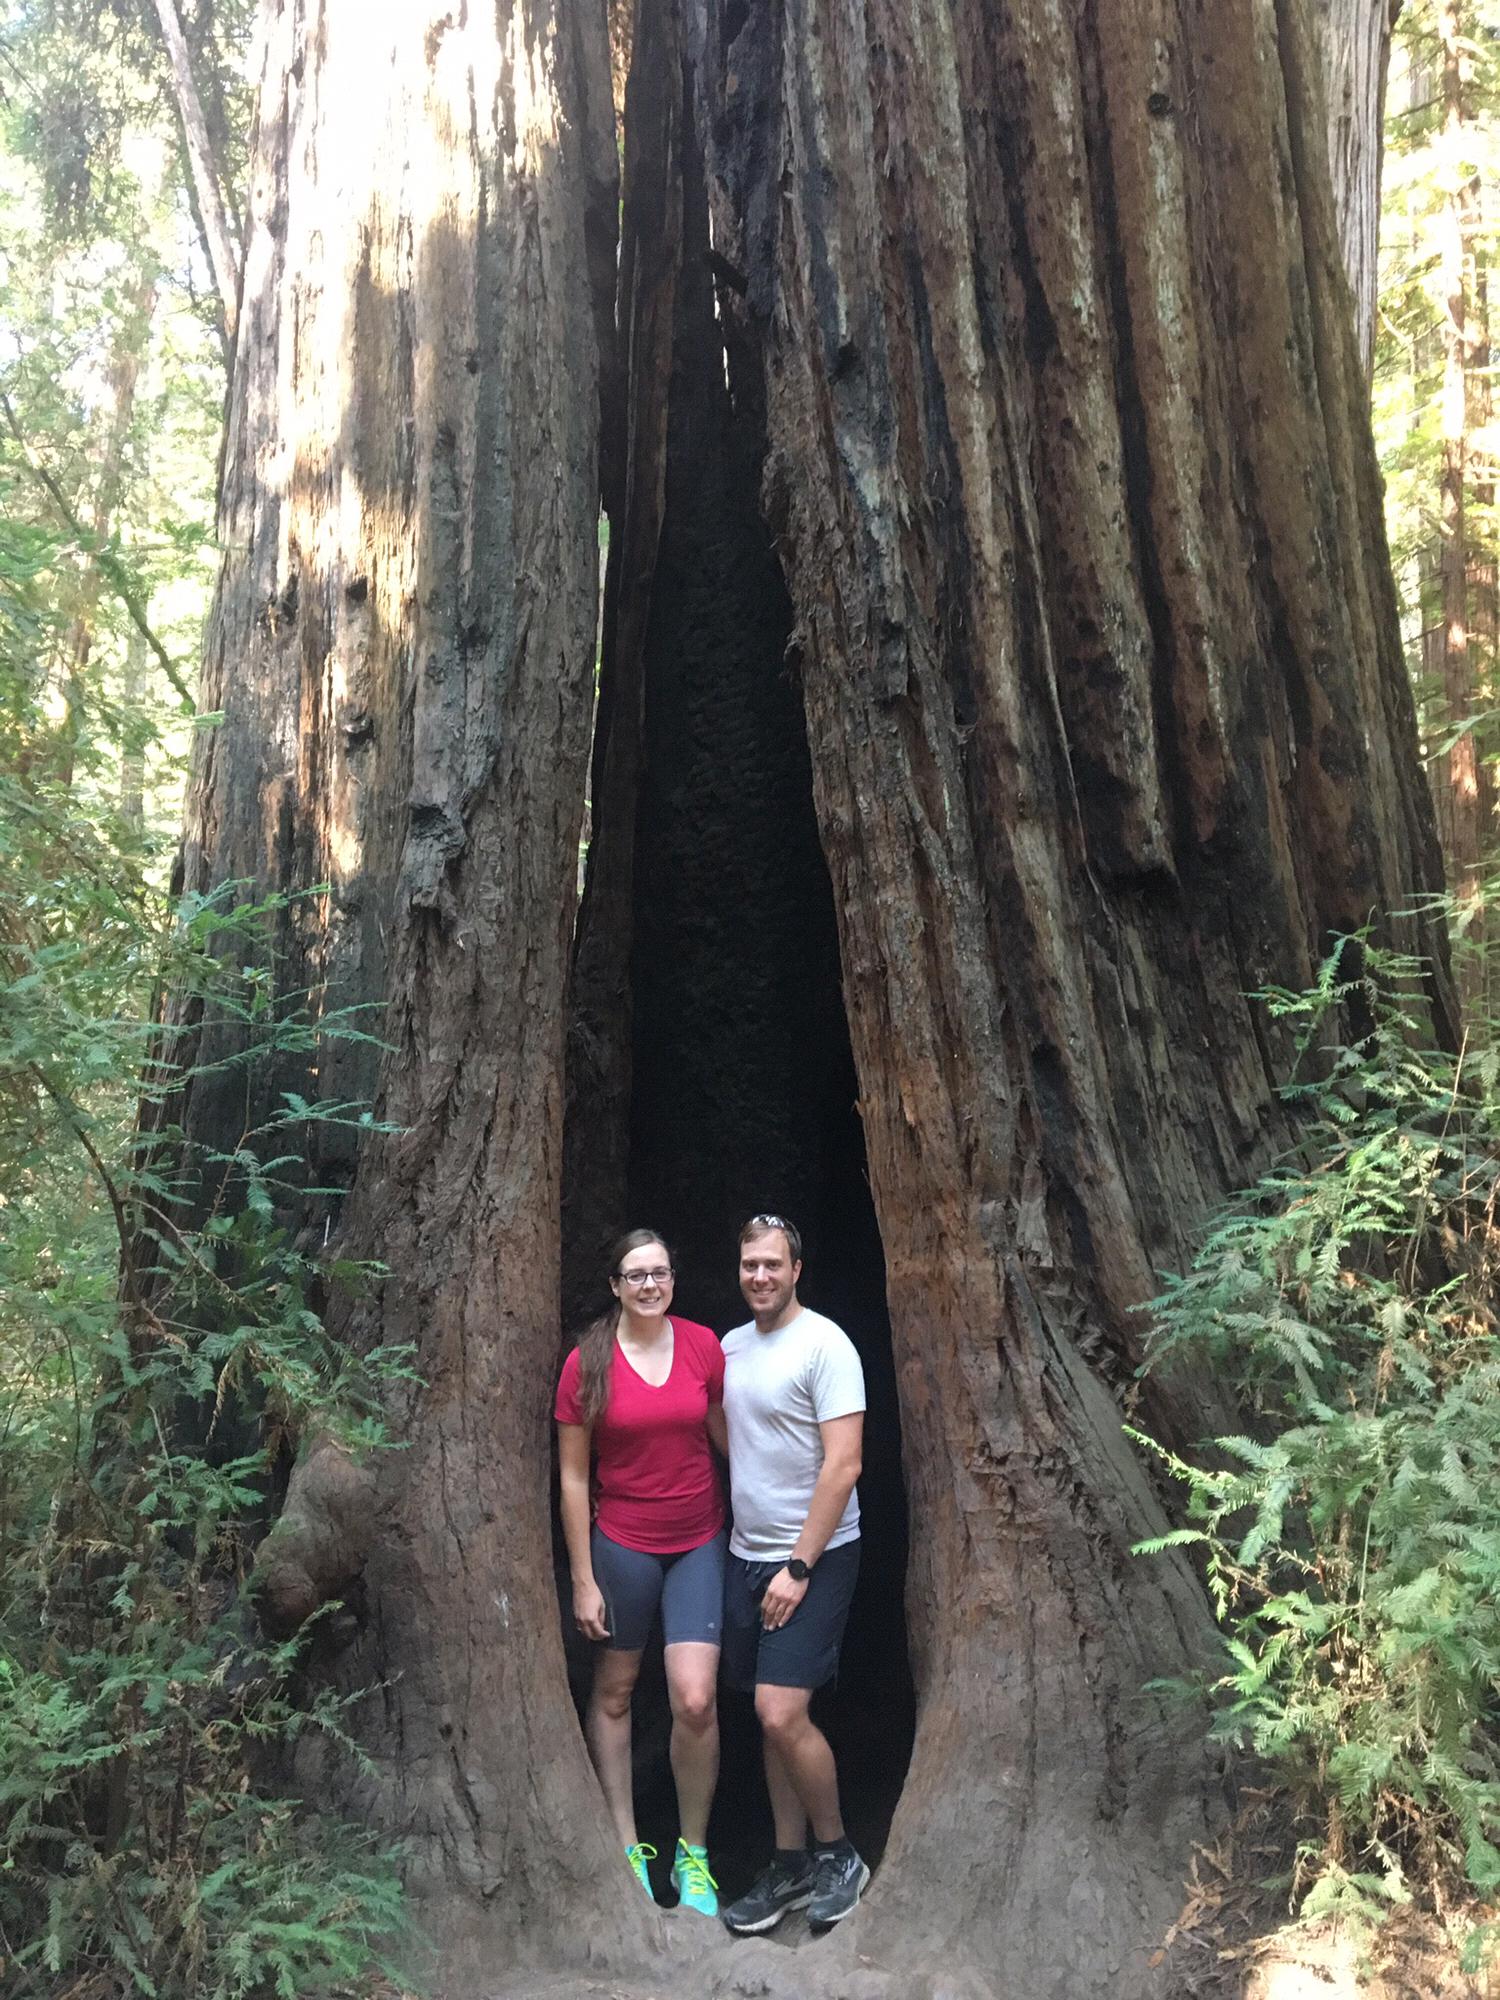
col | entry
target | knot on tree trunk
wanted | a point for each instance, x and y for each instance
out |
(318, 1546)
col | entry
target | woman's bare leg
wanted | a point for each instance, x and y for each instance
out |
(692, 1677)
(608, 1732)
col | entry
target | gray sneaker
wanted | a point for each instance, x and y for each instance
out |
(774, 1891)
(838, 1883)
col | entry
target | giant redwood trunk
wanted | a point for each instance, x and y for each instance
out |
(1001, 682)
(402, 651)
(1034, 319)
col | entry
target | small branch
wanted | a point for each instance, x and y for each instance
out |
(110, 566)
(222, 254)
(116, 1201)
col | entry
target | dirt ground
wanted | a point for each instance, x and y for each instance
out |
(703, 1962)
(1231, 1941)
(1203, 1961)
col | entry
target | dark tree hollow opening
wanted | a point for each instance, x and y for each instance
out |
(742, 1095)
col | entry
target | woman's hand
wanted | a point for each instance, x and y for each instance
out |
(588, 1610)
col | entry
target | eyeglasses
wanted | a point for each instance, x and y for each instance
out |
(635, 1279)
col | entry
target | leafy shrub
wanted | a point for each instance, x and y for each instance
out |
(1351, 1535)
(157, 1350)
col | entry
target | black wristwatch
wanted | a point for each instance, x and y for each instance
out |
(797, 1569)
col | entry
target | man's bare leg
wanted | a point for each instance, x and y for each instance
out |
(799, 1766)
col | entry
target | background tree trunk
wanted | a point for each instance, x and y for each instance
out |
(1355, 37)
(1466, 805)
(131, 340)
(208, 192)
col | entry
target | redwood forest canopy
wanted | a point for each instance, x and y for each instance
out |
(663, 610)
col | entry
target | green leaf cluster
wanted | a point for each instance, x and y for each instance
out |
(162, 1351)
(1350, 1533)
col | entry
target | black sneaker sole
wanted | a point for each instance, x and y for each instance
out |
(766, 1923)
(839, 1915)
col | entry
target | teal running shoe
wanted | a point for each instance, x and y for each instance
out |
(638, 1856)
(690, 1878)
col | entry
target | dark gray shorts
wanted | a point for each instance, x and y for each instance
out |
(803, 1653)
(688, 1589)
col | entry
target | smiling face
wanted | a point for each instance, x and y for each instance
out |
(768, 1279)
(643, 1283)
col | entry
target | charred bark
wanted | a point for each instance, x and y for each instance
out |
(736, 1088)
(599, 1065)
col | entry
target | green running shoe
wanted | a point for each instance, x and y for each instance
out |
(692, 1881)
(638, 1856)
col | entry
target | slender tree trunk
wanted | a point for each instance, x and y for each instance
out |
(223, 256)
(132, 336)
(1467, 807)
(132, 756)
(1355, 37)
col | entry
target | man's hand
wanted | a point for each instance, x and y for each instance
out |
(588, 1610)
(782, 1596)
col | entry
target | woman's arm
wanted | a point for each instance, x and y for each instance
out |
(573, 1462)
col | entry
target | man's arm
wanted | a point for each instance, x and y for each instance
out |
(843, 1450)
(718, 1429)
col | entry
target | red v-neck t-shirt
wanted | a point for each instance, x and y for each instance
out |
(655, 1483)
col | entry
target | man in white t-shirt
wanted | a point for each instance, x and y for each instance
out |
(794, 1397)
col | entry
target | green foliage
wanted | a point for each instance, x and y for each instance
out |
(161, 1346)
(111, 392)
(1351, 1534)
(161, 1315)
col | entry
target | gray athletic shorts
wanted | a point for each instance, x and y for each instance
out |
(803, 1653)
(688, 1589)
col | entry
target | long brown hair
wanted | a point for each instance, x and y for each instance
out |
(596, 1344)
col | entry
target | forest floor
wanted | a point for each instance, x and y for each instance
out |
(1230, 1942)
(1213, 1956)
(1232, 1939)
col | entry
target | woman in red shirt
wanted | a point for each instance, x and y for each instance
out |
(642, 1396)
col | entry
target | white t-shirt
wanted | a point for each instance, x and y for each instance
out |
(778, 1388)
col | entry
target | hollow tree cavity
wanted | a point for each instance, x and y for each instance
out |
(1041, 532)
